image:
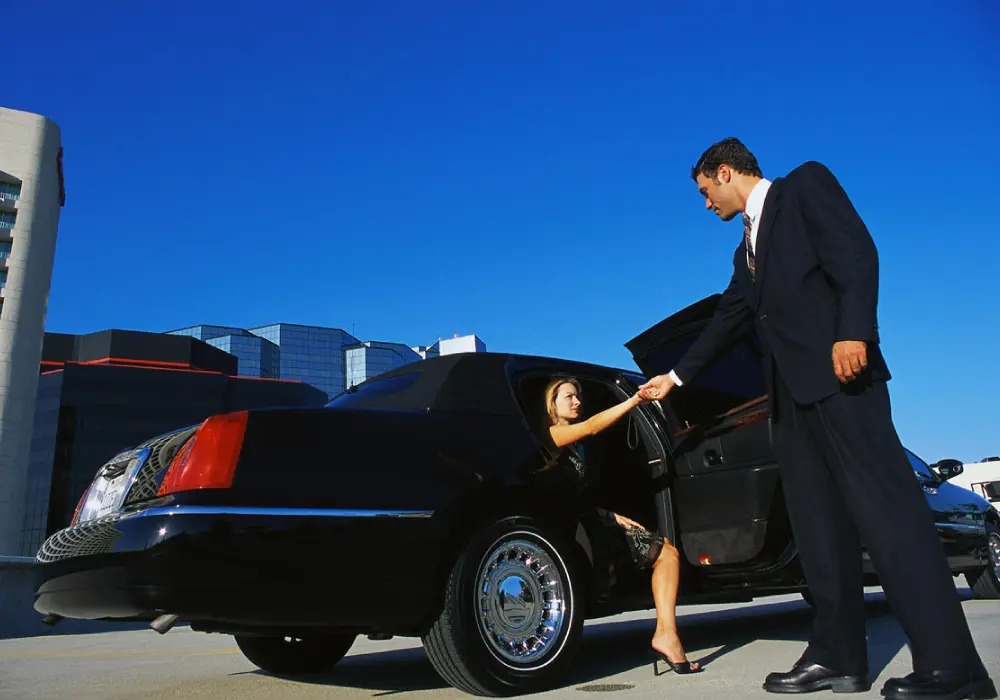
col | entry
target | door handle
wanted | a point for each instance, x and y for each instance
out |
(711, 458)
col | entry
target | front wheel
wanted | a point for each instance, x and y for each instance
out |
(513, 611)
(289, 656)
(985, 583)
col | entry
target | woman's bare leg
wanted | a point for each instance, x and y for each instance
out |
(666, 576)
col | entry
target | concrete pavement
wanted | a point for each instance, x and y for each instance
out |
(738, 644)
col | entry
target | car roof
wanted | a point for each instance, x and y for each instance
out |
(476, 382)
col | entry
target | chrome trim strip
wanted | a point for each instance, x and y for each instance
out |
(962, 527)
(299, 512)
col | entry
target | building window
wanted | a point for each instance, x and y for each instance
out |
(3, 279)
(10, 191)
(1, 308)
(5, 249)
(7, 219)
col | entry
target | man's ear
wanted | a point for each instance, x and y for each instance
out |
(725, 174)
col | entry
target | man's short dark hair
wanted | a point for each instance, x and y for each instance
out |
(731, 152)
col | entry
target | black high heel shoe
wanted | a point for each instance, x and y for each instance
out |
(680, 668)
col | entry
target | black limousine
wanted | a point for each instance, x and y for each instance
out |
(418, 504)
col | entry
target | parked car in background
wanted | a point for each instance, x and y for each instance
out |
(982, 477)
(421, 503)
(960, 514)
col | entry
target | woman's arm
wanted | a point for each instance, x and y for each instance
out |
(563, 435)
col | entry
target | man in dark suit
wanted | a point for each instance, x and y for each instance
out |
(806, 278)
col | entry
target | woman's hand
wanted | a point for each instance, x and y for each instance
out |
(627, 522)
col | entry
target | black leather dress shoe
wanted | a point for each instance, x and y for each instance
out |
(808, 677)
(941, 685)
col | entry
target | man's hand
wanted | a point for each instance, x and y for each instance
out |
(850, 357)
(657, 387)
(627, 522)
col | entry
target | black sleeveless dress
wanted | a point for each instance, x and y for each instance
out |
(612, 542)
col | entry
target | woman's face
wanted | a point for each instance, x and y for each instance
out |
(567, 403)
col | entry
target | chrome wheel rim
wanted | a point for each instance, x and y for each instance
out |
(994, 547)
(521, 602)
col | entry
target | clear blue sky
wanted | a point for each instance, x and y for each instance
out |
(516, 170)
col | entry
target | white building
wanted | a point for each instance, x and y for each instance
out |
(982, 478)
(31, 194)
(451, 346)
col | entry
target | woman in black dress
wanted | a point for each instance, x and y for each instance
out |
(646, 549)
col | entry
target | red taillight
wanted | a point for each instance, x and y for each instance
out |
(208, 460)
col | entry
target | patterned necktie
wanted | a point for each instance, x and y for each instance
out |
(747, 226)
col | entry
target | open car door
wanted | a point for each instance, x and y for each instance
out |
(726, 491)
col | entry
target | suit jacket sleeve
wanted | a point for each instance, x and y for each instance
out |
(845, 249)
(732, 319)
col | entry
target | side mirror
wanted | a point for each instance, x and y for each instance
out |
(948, 468)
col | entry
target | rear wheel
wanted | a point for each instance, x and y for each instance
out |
(291, 656)
(513, 612)
(985, 583)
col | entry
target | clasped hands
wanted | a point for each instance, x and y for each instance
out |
(656, 388)
(850, 358)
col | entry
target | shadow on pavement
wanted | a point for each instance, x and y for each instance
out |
(617, 647)
(397, 671)
(612, 648)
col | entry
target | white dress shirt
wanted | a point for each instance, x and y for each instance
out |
(755, 205)
(753, 209)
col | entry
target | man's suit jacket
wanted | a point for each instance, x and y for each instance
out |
(816, 284)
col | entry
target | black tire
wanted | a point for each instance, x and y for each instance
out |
(458, 644)
(284, 656)
(985, 583)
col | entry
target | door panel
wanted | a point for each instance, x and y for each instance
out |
(726, 487)
(739, 438)
(724, 516)
(726, 484)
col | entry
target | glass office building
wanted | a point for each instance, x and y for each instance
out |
(328, 358)
(310, 354)
(366, 360)
(257, 356)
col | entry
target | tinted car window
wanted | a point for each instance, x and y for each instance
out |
(920, 467)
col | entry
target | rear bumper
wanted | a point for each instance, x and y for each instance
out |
(141, 565)
(112, 589)
(122, 587)
(283, 567)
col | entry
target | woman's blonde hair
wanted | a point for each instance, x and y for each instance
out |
(552, 390)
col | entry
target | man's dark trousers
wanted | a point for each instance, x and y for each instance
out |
(842, 464)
